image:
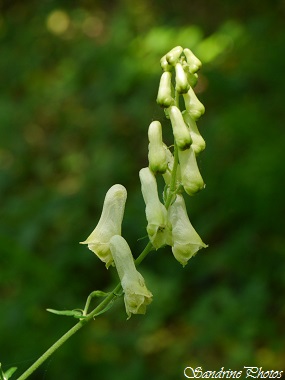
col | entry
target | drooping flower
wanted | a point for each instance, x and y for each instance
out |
(186, 241)
(191, 178)
(109, 224)
(156, 214)
(136, 294)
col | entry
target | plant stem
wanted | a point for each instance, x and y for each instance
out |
(110, 298)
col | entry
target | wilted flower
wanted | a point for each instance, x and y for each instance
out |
(191, 178)
(109, 224)
(156, 214)
(136, 294)
(186, 241)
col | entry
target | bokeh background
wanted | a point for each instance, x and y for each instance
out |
(78, 87)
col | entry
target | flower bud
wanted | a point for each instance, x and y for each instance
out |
(173, 55)
(136, 294)
(193, 62)
(190, 176)
(165, 65)
(198, 143)
(109, 224)
(156, 149)
(156, 214)
(186, 241)
(180, 131)
(182, 85)
(164, 97)
(193, 105)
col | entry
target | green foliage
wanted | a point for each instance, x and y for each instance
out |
(77, 93)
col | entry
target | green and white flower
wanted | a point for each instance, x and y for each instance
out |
(109, 224)
(136, 294)
(156, 214)
(186, 241)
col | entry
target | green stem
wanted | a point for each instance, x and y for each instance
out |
(110, 298)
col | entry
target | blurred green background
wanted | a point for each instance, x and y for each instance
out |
(78, 86)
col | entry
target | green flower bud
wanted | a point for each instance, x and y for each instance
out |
(198, 143)
(156, 214)
(182, 85)
(136, 294)
(156, 149)
(180, 131)
(190, 176)
(173, 55)
(165, 65)
(164, 97)
(186, 241)
(109, 224)
(193, 62)
(193, 105)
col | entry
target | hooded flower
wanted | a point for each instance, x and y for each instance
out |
(156, 149)
(156, 214)
(186, 241)
(198, 143)
(190, 174)
(136, 294)
(109, 224)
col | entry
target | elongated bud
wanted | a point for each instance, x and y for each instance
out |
(182, 85)
(193, 62)
(198, 143)
(193, 105)
(186, 241)
(136, 294)
(180, 131)
(190, 174)
(164, 98)
(156, 214)
(165, 65)
(109, 224)
(156, 149)
(173, 55)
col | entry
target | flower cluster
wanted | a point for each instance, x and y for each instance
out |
(167, 221)
(169, 224)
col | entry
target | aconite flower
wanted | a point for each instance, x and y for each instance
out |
(191, 178)
(198, 143)
(136, 294)
(156, 214)
(156, 149)
(186, 241)
(109, 224)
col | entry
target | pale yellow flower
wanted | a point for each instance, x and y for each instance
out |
(156, 214)
(191, 178)
(109, 224)
(186, 241)
(136, 294)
